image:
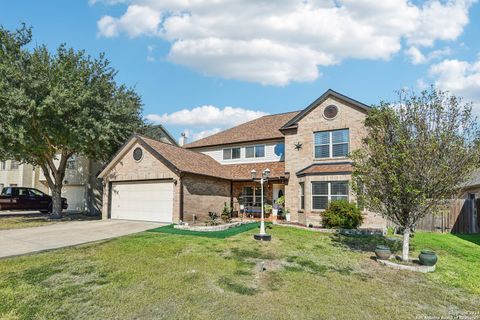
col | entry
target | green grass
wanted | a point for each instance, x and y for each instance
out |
(17, 222)
(309, 275)
(36, 220)
(210, 234)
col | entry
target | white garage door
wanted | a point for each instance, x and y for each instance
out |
(146, 201)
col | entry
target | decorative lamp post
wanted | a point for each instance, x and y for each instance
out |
(262, 235)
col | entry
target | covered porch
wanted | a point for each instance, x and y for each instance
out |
(246, 198)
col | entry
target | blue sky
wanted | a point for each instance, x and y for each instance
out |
(203, 66)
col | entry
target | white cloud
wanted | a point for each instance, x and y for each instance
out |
(459, 77)
(277, 42)
(417, 57)
(205, 120)
(138, 20)
(202, 134)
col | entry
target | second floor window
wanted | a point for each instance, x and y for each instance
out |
(257, 151)
(231, 153)
(14, 165)
(72, 163)
(3, 165)
(331, 144)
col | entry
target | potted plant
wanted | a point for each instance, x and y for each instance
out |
(268, 208)
(287, 215)
(382, 252)
(428, 258)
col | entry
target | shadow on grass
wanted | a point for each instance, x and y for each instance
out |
(473, 238)
(366, 243)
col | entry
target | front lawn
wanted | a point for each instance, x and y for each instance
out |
(36, 220)
(308, 275)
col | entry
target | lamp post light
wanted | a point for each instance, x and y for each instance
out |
(262, 235)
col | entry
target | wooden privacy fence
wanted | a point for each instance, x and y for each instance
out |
(459, 216)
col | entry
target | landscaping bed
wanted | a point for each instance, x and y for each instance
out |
(221, 233)
(219, 227)
(358, 232)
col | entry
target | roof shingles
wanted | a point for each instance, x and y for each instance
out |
(198, 163)
(263, 128)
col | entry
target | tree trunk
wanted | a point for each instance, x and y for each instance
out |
(56, 202)
(406, 244)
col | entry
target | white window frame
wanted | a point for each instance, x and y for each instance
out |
(231, 154)
(329, 195)
(330, 144)
(302, 195)
(256, 193)
(255, 151)
(17, 165)
(70, 161)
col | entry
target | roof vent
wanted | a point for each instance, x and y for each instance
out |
(330, 112)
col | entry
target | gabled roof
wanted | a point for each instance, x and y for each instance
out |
(329, 93)
(158, 132)
(263, 128)
(176, 158)
(184, 160)
(326, 168)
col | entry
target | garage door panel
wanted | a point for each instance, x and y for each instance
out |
(148, 201)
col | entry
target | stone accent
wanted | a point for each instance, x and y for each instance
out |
(211, 228)
(415, 268)
(352, 232)
(202, 195)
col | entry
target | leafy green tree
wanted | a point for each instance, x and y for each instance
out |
(55, 105)
(416, 154)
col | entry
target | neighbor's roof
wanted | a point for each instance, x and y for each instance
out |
(326, 168)
(473, 181)
(264, 128)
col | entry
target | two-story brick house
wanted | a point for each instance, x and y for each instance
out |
(306, 152)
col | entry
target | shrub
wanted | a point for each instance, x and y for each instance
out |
(342, 214)
(226, 214)
(212, 218)
(281, 201)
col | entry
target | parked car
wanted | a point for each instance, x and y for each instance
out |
(19, 198)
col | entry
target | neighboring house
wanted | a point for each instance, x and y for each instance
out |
(471, 188)
(81, 187)
(13, 173)
(306, 152)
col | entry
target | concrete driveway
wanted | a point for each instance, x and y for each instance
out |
(29, 240)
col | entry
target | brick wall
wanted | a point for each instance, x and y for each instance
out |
(349, 117)
(203, 194)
